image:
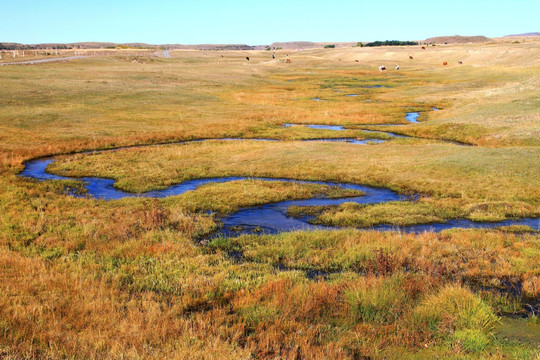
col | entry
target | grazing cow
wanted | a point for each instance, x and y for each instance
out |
(273, 56)
(397, 67)
(423, 48)
(356, 61)
(445, 63)
(288, 61)
(460, 62)
(410, 57)
(247, 58)
(382, 68)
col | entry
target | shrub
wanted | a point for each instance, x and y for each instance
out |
(329, 46)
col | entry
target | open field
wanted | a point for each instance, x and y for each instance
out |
(147, 278)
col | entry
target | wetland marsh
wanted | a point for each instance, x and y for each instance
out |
(200, 205)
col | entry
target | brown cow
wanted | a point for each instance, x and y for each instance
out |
(460, 62)
(445, 63)
(288, 61)
(410, 57)
(423, 48)
(356, 61)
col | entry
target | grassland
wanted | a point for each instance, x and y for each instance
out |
(140, 278)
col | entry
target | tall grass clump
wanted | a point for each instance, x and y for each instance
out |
(455, 310)
(381, 300)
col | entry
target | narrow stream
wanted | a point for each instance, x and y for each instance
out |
(270, 218)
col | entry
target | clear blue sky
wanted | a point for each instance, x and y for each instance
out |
(259, 22)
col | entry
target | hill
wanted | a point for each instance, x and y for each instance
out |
(524, 34)
(99, 45)
(309, 44)
(457, 39)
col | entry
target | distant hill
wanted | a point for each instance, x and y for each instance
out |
(210, 46)
(291, 45)
(457, 39)
(525, 34)
(80, 45)
(99, 45)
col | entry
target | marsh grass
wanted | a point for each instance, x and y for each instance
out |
(382, 300)
(424, 211)
(228, 197)
(453, 309)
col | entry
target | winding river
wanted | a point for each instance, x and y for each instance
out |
(270, 218)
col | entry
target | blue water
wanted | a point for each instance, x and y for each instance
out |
(385, 132)
(342, 128)
(412, 117)
(320, 127)
(351, 141)
(348, 140)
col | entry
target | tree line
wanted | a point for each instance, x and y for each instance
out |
(388, 43)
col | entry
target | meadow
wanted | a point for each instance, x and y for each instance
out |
(148, 278)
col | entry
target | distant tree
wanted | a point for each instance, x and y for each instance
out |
(329, 46)
(360, 44)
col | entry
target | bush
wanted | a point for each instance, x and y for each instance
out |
(329, 46)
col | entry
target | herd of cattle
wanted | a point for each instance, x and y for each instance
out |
(381, 67)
